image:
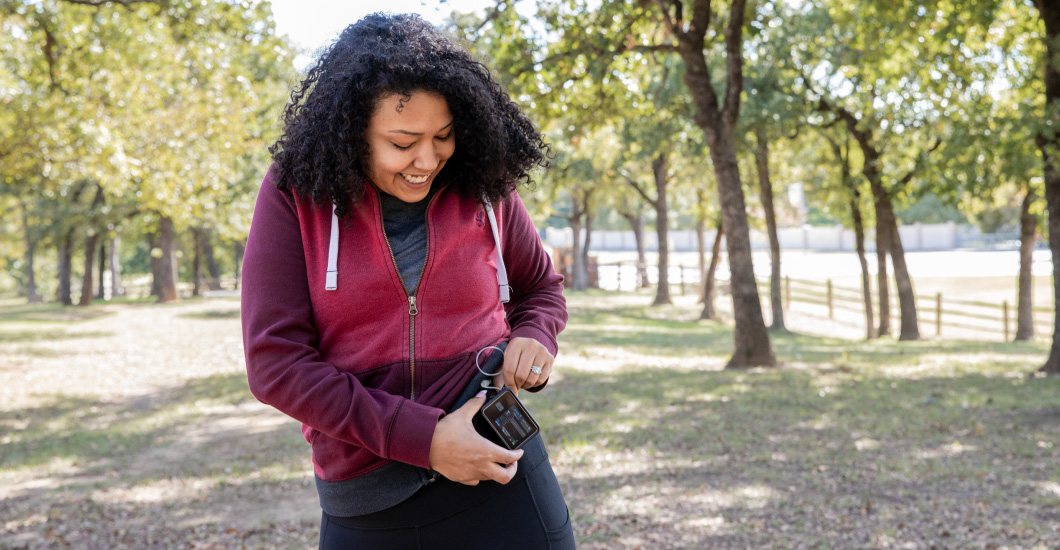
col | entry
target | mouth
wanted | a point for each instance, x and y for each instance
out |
(416, 180)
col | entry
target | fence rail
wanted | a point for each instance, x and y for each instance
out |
(936, 312)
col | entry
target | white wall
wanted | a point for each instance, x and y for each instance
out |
(915, 237)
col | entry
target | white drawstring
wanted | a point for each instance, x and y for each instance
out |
(332, 279)
(502, 273)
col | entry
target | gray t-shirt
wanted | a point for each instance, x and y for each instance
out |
(405, 225)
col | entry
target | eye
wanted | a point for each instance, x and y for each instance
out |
(445, 137)
(402, 147)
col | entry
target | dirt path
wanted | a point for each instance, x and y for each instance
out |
(153, 439)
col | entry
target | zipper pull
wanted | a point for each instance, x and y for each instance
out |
(412, 306)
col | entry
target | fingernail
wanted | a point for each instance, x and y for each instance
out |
(481, 393)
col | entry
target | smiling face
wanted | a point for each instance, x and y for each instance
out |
(409, 139)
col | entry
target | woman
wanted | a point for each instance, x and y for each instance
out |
(374, 291)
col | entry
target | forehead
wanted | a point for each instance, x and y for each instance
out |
(418, 111)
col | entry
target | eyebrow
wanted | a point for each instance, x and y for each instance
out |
(408, 133)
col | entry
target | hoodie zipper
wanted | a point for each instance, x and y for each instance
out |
(413, 310)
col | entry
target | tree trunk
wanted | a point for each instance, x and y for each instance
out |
(1049, 144)
(883, 285)
(90, 264)
(32, 296)
(765, 189)
(709, 292)
(213, 282)
(1025, 311)
(156, 261)
(64, 293)
(90, 249)
(751, 345)
(585, 247)
(906, 295)
(101, 291)
(636, 223)
(196, 269)
(859, 239)
(238, 248)
(659, 167)
(701, 245)
(886, 223)
(578, 272)
(167, 263)
(115, 268)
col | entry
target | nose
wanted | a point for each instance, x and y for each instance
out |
(427, 157)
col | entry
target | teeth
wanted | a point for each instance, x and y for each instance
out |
(416, 179)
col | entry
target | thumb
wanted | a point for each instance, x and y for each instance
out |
(473, 405)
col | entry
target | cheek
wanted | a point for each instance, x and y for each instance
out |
(382, 162)
(447, 149)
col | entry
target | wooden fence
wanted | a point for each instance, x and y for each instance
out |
(936, 314)
(933, 311)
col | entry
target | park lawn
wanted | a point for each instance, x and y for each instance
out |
(847, 444)
(153, 440)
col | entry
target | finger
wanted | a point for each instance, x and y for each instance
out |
(503, 473)
(522, 371)
(506, 456)
(473, 405)
(538, 372)
(511, 366)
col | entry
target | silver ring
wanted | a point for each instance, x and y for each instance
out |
(535, 369)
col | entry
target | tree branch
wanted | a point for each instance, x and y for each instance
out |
(492, 13)
(673, 24)
(701, 20)
(639, 189)
(919, 163)
(734, 62)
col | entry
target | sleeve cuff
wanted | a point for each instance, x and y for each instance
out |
(411, 434)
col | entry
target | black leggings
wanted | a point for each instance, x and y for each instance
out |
(527, 513)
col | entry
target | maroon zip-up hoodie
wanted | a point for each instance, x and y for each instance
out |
(366, 368)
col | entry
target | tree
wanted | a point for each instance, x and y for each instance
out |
(579, 47)
(661, 181)
(841, 152)
(1049, 142)
(896, 102)
(717, 118)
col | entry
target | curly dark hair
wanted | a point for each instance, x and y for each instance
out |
(322, 152)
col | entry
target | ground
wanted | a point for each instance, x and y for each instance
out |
(131, 426)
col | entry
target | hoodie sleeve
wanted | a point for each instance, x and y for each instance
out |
(537, 308)
(284, 367)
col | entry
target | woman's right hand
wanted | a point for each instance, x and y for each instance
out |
(460, 454)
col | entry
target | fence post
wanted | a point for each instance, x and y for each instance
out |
(681, 278)
(829, 283)
(1004, 317)
(618, 277)
(787, 292)
(938, 314)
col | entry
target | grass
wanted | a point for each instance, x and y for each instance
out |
(843, 436)
(846, 444)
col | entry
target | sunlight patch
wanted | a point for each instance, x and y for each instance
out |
(944, 451)
(866, 444)
(1049, 487)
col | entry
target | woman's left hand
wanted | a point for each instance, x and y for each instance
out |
(527, 363)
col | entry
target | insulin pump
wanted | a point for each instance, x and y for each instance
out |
(504, 419)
